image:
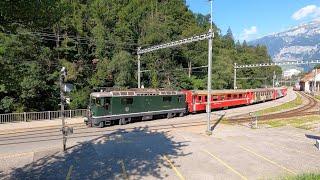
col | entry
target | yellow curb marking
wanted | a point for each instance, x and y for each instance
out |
(270, 161)
(124, 172)
(291, 149)
(174, 168)
(226, 165)
(69, 173)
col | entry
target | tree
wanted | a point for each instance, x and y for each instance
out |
(229, 34)
(97, 41)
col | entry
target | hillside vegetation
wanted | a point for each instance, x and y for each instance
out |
(96, 40)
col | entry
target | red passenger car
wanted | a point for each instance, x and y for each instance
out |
(197, 99)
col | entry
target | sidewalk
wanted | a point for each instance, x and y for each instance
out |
(38, 124)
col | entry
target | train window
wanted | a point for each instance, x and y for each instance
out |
(221, 97)
(214, 98)
(167, 99)
(229, 96)
(97, 101)
(235, 96)
(106, 103)
(180, 98)
(240, 95)
(126, 101)
(204, 98)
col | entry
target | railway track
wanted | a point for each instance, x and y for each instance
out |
(301, 111)
(82, 130)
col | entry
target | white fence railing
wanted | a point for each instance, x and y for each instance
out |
(37, 116)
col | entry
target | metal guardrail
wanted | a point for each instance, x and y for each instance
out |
(37, 116)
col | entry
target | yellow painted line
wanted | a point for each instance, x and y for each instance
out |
(292, 149)
(226, 165)
(266, 159)
(174, 168)
(69, 173)
(124, 172)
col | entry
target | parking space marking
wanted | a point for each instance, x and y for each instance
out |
(68, 177)
(174, 168)
(266, 159)
(124, 172)
(225, 164)
(292, 149)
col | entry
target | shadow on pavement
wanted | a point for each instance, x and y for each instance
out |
(218, 121)
(2, 175)
(123, 154)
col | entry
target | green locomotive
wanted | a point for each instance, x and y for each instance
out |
(122, 107)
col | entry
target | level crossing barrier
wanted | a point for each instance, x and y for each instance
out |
(37, 116)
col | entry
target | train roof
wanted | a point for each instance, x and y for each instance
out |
(135, 93)
(232, 91)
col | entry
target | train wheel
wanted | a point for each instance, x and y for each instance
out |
(122, 121)
(101, 124)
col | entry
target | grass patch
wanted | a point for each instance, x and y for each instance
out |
(303, 122)
(305, 176)
(288, 105)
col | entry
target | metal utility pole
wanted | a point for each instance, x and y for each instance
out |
(209, 36)
(315, 81)
(189, 69)
(62, 101)
(139, 70)
(273, 78)
(235, 76)
(209, 84)
(208, 132)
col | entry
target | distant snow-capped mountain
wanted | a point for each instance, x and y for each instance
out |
(298, 43)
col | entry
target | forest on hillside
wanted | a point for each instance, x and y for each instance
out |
(97, 41)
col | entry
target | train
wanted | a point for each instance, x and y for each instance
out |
(122, 107)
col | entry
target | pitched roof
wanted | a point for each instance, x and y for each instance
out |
(309, 76)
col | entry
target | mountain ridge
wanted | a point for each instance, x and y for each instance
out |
(298, 43)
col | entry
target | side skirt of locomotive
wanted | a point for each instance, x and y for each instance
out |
(101, 121)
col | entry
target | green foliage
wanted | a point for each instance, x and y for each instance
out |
(304, 176)
(7, 104)
(97, 42)
(288, 105)
(79, 98)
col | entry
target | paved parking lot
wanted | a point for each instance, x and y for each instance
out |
(161, 149)
(176, 151)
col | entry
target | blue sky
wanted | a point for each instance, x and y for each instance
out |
(250, 19)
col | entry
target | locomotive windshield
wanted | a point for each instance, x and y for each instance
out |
(96, 101)
(100, 102)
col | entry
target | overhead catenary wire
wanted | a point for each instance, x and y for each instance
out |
(178, 69)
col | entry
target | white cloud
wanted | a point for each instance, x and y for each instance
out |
(248, 33)
(307, 11)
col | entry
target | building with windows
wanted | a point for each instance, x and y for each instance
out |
(311, 81)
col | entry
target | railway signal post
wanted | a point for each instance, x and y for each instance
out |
(139, 70)
(63, 74)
